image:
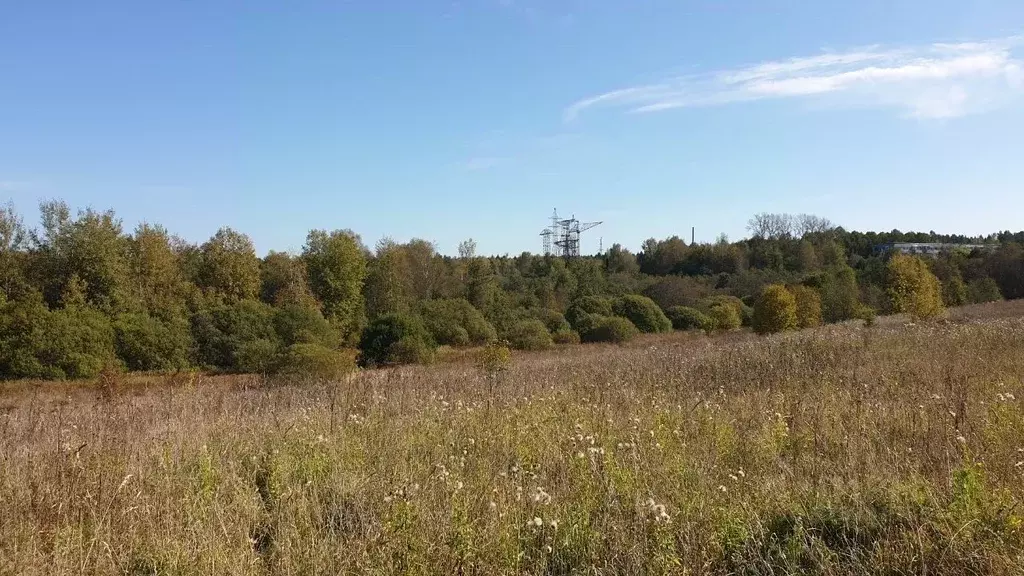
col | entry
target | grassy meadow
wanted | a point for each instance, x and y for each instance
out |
(893, 449)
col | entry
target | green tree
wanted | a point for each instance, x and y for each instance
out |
(912, 288)
(156, 274)
(481, 284)
(839, 293)
(386, 289)
(13, 243)
(90, 247)
(619, 260)
(229, 267)
(423, 269)
(775, 310)
(336, 264)
(284, 281)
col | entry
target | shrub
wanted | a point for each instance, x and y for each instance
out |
(685, 318)
(983, 290)
(642, 312)
(316, 361)
(79, 343)
(455, 322)
(146, 343)
(743, 312)
(724, 317)
(259, 356)
(587, 305)
(775, 310)
(565, 337)
(24, 324)
(612, 329)
(232, 336)
(586, 324)
(839, 293)
(954, 291)
(912, 287)
(552, 319)
(867, 314)
(295, 324)
(808, 306)
(530, 335)
(396, 339)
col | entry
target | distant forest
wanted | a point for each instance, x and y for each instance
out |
(79, 294)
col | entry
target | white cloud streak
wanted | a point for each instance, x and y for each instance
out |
(933, 81)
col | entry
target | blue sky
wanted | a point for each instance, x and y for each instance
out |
(474, 118)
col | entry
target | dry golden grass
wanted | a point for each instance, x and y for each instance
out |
(841, 450)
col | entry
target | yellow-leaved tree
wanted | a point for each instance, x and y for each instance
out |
(912, 288)
(808, 306)
(775, 310)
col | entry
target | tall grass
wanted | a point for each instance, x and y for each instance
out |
(843, 450)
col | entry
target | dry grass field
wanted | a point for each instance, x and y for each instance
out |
(844, 450)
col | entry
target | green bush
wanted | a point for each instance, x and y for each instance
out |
(642, 312)
(80, 342)
(808, 306)
(316, 361)
(259, 356)
(412, 350)
(295, 324)
(724, 317)
(566, 337)
(396, 339)
(24, 331)
(744, 312)
(586, 324)
(983, 290)
(686, 318)
(587, 305)
(530, 335)
(954, 291)
(612, 329)
(147, 343)
(552, 319)
(455, 322)
(775, 310)
(233, 336)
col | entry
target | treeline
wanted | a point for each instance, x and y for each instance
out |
(79, 294)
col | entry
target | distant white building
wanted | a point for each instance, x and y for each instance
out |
(933, 249)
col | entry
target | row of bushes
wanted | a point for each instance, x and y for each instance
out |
(78, 341)
(249, 336)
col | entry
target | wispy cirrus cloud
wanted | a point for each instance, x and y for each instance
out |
(932, 81)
